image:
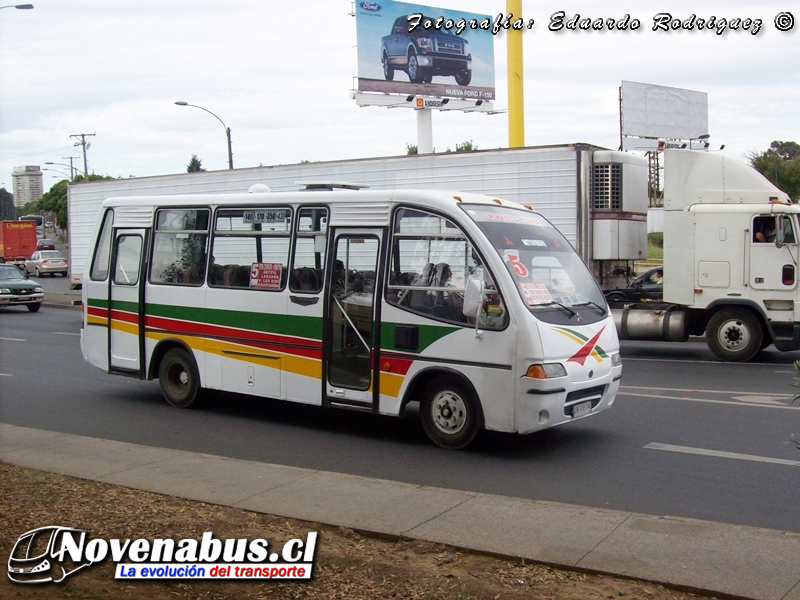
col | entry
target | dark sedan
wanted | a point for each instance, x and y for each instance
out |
(17, 290)
(647, 286)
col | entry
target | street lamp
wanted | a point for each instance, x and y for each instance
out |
(227, 129)
(72, 169)
(700, 138)
(19, 6)
(57, 171)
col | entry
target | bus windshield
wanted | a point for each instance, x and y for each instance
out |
(548, 273)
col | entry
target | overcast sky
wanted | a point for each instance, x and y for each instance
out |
(279, 74)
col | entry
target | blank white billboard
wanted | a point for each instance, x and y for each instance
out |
(656, 111)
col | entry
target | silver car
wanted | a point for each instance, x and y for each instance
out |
(46, 262)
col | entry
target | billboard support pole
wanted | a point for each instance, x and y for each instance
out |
(516, 97)
(424, 131)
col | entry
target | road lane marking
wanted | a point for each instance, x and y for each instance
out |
(705, 362)
(709, 401)
(698, 391)
(65, 333)
(12, 339)
(6, 375)
(720, 454)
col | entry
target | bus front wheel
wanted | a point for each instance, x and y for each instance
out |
(450, 414)
(178, 378)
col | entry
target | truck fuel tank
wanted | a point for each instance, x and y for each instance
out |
(661, 322)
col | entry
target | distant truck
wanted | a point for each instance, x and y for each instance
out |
(17, 241)
(731, 256)
(423, 53)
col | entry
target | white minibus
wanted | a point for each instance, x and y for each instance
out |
(474, 307)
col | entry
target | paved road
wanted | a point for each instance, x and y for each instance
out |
(688, 436)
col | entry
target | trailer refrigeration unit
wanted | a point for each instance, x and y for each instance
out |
(730, 261)
(596, 197)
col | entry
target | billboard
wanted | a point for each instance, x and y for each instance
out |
(437, 52)
(656, 111)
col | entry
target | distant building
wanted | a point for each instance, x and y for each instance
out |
(27, 185)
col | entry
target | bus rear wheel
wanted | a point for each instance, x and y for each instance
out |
(178, 378)
(450, 414)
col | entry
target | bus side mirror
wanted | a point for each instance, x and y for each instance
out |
(473, 297)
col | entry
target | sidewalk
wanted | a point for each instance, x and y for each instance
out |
(707, 557)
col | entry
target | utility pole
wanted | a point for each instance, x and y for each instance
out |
(85, 146)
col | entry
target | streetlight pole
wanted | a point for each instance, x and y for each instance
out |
(227, 129)
(19, 6)
(72, 168)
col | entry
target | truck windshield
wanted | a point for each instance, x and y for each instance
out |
(549, 275)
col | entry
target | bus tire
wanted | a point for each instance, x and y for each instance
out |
(734, 334)
(450, 413)
(178, 378)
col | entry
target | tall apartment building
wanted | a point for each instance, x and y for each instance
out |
(27, 185)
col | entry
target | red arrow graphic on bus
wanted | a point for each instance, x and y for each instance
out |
(581, 355)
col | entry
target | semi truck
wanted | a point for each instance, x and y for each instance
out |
(17, 241)
(730, 261)
(596, 197)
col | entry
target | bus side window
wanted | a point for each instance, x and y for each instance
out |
(248, 240)
(180, 246)
(308, 261)
(432, 258)
(102, 253)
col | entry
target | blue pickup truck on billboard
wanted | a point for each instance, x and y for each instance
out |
(423, 53)
(413, 49)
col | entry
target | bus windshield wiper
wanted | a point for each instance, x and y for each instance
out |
(571, 312)
(594, 304)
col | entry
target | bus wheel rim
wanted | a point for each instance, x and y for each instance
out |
(449, 412)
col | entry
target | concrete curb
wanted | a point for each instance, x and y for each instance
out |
(699, 556)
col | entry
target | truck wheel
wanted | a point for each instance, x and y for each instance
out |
(178, 378)
(388, 69)
(450, 414)
(414, 70)
(463, 77)
(734, 334)
(34, 307)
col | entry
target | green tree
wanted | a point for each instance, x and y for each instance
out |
(195, 165)
(464, 147)
(55, 200)
(7, 212)
(411, 149)
(781, 165)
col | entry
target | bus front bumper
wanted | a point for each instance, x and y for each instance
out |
(542, 404)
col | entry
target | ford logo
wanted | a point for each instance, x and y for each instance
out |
(370, 6)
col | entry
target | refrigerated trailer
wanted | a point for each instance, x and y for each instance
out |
(596, 197)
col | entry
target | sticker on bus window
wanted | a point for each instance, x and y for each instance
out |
(264, 216)
(531, 221)
(539, 243)
(512, 256)
(535, 293)
(266, 276)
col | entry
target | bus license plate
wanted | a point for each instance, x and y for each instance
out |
(581, 409)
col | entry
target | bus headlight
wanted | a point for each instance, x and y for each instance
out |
(546, 371)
